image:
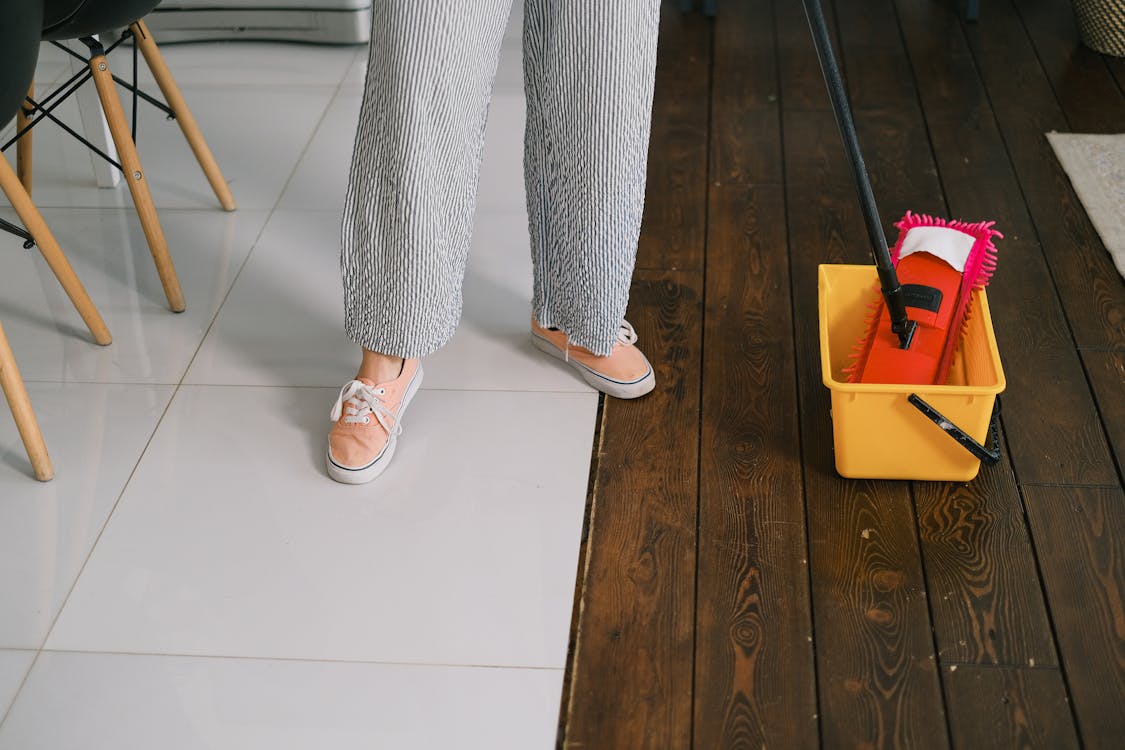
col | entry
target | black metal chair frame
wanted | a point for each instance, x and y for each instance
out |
(38, 110)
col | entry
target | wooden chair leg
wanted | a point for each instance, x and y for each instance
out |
(23, 145)
(52, 253)
(143, 39)
(20, 404)
(138, 185)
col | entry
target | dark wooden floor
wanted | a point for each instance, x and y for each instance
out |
(735, 592)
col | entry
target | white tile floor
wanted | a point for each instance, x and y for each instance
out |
(192, 578)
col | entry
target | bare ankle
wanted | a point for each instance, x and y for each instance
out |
(380, 368)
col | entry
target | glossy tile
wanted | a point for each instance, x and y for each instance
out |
(235, 63)
(501, 185)
(230, 539)
(321, 178)
(283, 321)
(95, 435)
(13, 668)
(109, 253)
(357, 73)
(255, 146)
(84, 701)
(290, 291)
(509, 71)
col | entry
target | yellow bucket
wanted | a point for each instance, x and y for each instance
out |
(879, 431)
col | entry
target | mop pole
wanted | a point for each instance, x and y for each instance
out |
(888, 279)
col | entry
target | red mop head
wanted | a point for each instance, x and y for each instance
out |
(939, 264)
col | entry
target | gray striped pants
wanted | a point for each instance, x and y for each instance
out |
(408, 216)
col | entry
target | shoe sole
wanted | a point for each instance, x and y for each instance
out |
(379, 465)
(608, 386)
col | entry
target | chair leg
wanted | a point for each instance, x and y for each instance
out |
(52, 253)
(23, 145)
(138, 185)
(143, 39)
(20, 404)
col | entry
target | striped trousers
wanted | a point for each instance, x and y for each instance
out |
(588, 76)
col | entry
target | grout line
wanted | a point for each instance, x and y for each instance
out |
(23, 681)
(269, 213)
(167, 406)
(299, 660)
(89, 554)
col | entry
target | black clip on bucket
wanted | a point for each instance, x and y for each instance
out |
(989, 457)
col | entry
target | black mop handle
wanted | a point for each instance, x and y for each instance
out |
(888, 279)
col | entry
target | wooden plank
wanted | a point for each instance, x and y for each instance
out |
(1025, 105)
(755, 675)
(632, 669)
(631, 674)
(1063, 444)
(673, 230)
(1008, 707)
(1106, 371)
(980, 570)
(1083, 85)
(755, 678)
(878, 682)
(802, 85)
(983, 583)
(1079, 533)
(745, 126)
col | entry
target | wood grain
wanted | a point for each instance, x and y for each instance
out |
(632, 673)
(755, 678)
(755, 675)
(1106, 371)
(1026, 107)
(1080, 535)
(1084, 86)
(878, 682)
(980, 569)
(1064, 444)
(693, 623)
(980, 572)
(802, 85)
(675, 217)
(745, 126)
(1008, 707)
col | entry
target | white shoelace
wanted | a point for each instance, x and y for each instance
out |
(359, 401)
(625, 335)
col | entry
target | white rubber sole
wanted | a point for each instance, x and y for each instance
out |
(365, 474)
(608, 386)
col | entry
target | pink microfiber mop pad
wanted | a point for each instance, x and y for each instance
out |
(939, 263)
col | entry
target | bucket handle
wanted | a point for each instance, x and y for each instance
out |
(987, 456)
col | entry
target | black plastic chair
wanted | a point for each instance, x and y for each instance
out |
(19, 50)
(84, 20)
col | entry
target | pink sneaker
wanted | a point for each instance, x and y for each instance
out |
(623, 373)
(368, 419)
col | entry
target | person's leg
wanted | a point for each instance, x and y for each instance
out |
(589, 70)
(408, 214)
